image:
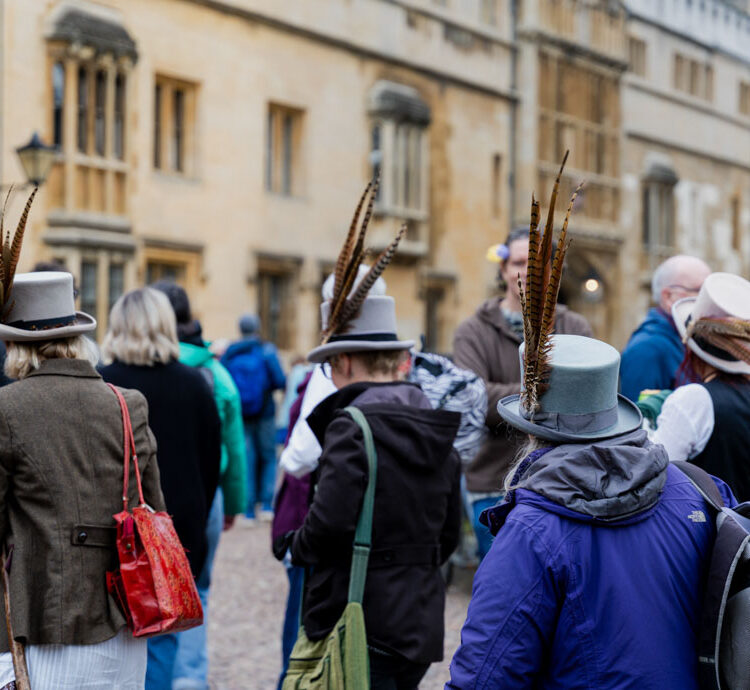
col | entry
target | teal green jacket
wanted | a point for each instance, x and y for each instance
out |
(233, 479)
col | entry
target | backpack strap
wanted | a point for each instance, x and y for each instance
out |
(702, 481)
(363, 535)
(726, 554)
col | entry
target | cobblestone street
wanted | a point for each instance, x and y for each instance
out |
(248, 596)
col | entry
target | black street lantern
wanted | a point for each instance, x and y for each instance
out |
(36, 159)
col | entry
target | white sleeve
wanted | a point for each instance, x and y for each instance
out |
(686, 422)
(300, 457)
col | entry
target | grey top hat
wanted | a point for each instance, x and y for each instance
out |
(373, 329)
(42, 307)
(581, 402)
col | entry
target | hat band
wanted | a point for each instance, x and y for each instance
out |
(585, 423)
(368, 337)
(43, 324)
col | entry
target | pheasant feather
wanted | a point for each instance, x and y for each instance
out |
(2, 217)
(346, 252)
(546, 245)
(534, 271)
(344, 308)
(729, 334)
(354, 303)
(359, 249)
(553, 287)
(15, 247)
(539, 297)
(11, 252)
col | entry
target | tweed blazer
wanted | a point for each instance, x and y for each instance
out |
(61, 471)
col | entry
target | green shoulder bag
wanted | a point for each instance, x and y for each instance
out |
(340, 660)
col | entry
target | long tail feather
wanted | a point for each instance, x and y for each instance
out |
(553, 287)
(546, 246)
(539, 298)
(345, 255)
(354, 303)
(359, 248)
(534, 271)
(15, 249)
(729, 334)
(2, 216)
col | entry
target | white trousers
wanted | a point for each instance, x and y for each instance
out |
(115, 664)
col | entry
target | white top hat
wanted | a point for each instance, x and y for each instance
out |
(722, 295)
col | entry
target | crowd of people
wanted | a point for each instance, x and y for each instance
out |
(593, 547)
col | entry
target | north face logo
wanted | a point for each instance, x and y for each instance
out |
(697, 516)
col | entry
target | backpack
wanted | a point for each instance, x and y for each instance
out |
(724, 633)
(250, 373)
(449, 387)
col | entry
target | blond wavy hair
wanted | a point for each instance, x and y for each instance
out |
(142, 329)
(24, 357)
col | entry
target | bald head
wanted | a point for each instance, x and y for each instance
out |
(678, 277)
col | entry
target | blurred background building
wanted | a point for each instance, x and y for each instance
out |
(224, 144)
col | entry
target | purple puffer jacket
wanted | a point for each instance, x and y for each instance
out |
(595, 578)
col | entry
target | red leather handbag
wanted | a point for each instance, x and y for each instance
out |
(153, 586)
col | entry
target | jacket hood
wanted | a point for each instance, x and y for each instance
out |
(190, 332)
(415, 432)
(489, 312)
(195, 356)
(241, 347)
(617, 481)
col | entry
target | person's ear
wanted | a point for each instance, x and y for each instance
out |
(665, 298)
(345, 365)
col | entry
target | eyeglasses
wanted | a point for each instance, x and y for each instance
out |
(326, 369)
(688, 290)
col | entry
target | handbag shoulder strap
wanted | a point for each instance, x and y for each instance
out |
(702, 481)
(128, 450)
(363, 535)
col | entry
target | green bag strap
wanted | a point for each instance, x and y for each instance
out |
(363, 535)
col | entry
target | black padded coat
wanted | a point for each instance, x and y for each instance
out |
(416, 517)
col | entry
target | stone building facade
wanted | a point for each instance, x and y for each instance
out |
(224, 143)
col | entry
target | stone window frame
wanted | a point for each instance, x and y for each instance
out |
(585, 122)
(399, 150)
(277, 285)
(658, 209)
(693, 77)
(284, 172)
(163, 260)
(93, 180)
(743, 98)
(174, 126)
(488, 12)
(637, 56)
(438, 294)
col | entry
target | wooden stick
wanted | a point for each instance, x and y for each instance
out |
(16, 648)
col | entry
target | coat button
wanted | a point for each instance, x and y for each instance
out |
(82, 536)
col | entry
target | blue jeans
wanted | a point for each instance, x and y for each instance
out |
(161, 654)
(191, 664)
(484, 536)
(260, 446)
(291, 617)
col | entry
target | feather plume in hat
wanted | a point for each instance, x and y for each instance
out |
(10, 251)
(730, 334)
(346, 307)
(539, 296)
